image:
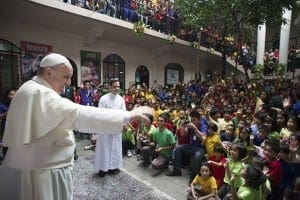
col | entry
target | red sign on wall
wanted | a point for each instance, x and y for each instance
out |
(32, 54)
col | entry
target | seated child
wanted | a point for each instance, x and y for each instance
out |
(234, 165)
(206, 182)
(252, 186)
(143, 134)
(128, 140)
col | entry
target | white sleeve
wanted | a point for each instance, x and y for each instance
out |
(100, 120)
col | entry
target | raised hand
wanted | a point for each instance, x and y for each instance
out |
(142, 113)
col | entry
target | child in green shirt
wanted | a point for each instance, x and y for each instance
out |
(128, 140)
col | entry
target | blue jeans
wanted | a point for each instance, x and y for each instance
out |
(224, 190)
(194, 152)
(128, 14)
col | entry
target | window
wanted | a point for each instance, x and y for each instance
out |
(10, 69)
(174, 74)
(114, 67)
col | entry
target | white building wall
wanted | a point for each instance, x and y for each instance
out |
(133, 56)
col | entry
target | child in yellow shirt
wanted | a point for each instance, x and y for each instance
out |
(212, 139)
(206, 182)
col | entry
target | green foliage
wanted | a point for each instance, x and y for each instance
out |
(195, 45)
(139, 28)
(258, 70)
(234, 17)
(238, 18)
(171, 39)
(280, 70)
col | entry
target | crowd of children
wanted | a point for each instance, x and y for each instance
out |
(159, 15)
(251, 135)
(252, 138)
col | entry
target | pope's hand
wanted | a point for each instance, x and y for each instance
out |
(142, 113)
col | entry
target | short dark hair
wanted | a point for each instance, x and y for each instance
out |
(6, 94)
(86, 81)
(219, 149)
(228, 110)
(259, 162)
(273, 144)
(113, 80)
(213, 126)
(214, 111)
(195, 113)
(284, 148)
(254, 177)
(206, 164)
(242, 150)
(163, 116)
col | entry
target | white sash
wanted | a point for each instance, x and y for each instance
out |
(39, 157)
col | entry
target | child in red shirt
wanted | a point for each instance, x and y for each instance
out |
(273, 170)
(217, 162)
(182, 137)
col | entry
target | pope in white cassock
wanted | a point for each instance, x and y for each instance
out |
(39, 137)
(108, 157)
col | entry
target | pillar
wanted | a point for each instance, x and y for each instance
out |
(261, 37)
(285, 37)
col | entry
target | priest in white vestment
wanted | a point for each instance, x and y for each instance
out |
(38, 133)
(108, 157)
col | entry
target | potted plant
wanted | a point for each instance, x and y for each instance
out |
(229, 39)
(280, 70)
(139, 28)
(258, 70)
(195, 45)
(171, 39)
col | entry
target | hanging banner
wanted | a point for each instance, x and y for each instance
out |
(90, 67)
(32, 54)
(172, 76)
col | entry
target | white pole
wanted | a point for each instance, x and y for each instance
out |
(261, 38)
(285, 37)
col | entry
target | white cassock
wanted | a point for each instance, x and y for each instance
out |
(40, 141)
(109, 147)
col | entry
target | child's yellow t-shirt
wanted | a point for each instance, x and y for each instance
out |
(207, 185)
(211, 142)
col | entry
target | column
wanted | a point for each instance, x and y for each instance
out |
(285, 37)
(261, 37)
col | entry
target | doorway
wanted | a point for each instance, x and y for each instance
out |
(142, 75)
(10, 69)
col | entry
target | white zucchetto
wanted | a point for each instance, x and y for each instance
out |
(54, 59)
